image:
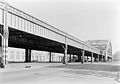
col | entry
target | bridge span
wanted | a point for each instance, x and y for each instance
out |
(21, 30)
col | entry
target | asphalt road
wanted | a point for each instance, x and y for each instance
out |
(57, 73)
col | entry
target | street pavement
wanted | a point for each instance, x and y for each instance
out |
(57, 73)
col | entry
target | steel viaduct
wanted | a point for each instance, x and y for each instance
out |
(21, 30)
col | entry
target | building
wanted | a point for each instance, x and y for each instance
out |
(18, 55)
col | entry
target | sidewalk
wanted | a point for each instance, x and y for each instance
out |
(23, 66)
(11, 67)
(53, 73)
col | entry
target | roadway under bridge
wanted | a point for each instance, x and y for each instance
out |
(21, 30)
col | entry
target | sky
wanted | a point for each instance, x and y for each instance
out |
(84, 19)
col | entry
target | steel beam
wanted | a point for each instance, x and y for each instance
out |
(5, 35)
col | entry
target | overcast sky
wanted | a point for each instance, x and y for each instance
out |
(84, 19)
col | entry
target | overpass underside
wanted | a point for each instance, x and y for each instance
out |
(27, 41)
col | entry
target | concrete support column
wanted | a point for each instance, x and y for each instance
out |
(27, 55)
(91, 57)
(106, 57)
(79, 58)
(102, 58)
(4, 49)
(65, 51)
(98, 58)
(83, 53)
(87, 58)
(70, 58)
(50, 57)
(73, 58)
(65, 56)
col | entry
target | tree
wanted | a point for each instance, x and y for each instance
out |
(116, 56)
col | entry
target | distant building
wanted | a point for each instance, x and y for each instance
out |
(18, 55)
(104, 45)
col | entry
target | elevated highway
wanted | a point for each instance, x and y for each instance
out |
(21, 30)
